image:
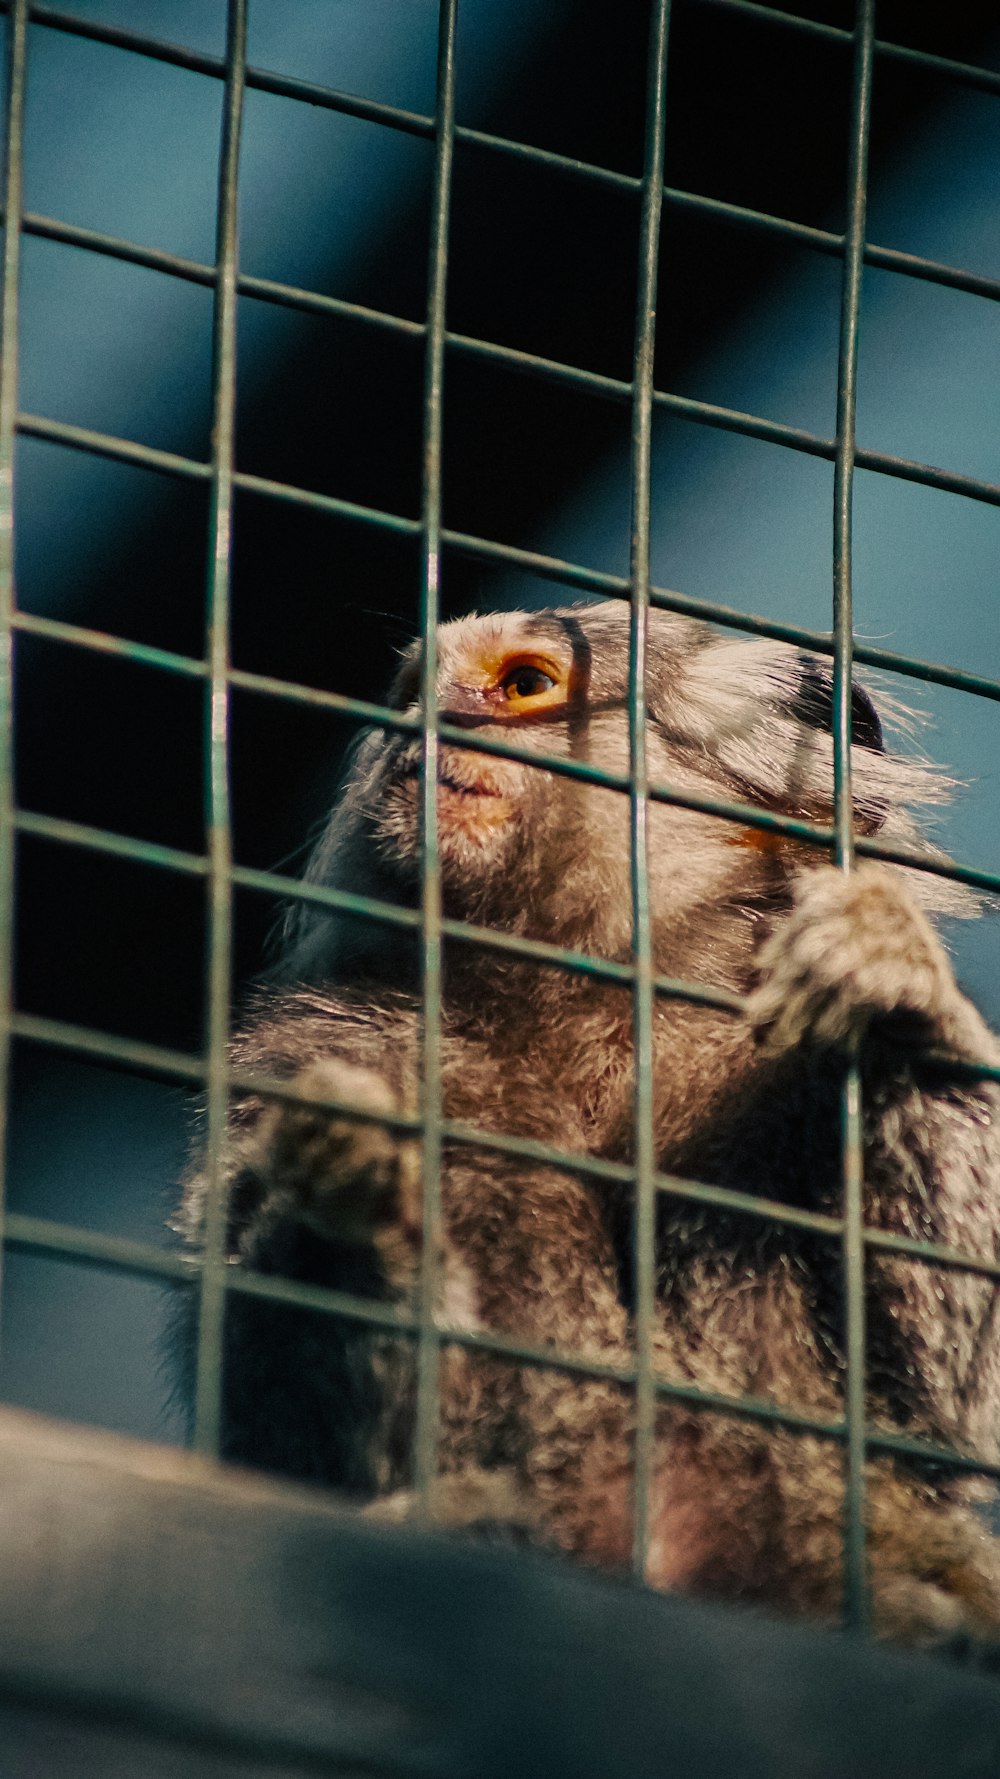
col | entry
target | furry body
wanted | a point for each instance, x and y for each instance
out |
(542, 1255)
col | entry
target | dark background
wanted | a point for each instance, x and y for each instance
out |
(541, 261)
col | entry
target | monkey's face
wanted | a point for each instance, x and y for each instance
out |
(513, 678)
(532, 849)
(537, 851)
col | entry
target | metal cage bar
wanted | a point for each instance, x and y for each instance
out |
(613, 586)
(727, 809)
(205, 1270)
(212, 1304)
(17, 36)
(644, 1144)
(702, 413)
(415, 123)
(174, 1065)
(429, 1348)
(853, 1257)
(967, 73)
(314, 302)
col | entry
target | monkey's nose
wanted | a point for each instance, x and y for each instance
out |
(462, 707)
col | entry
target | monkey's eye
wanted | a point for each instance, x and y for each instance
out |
(526, 685)
(526, 682)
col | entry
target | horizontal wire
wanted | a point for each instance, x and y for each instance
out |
(201, 272)
(154, 1060)
(968, 73)
(365, 908)
(63, 1241)
(293, 296)
(593, 382)
(827, 241)
(715, 612)
(728, 809)
(745, 815)
(132, 1054)
(105, 840)
(965, 73)
(899, 1445)
(712, 414)
(101, 642)
(102, 444)
(179, 55)
(358, 709)
(420, 124)
(891, 1242)
(35, 1235)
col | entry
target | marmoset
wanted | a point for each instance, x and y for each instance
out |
(738, 1508)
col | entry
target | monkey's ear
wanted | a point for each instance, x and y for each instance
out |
(813, 704)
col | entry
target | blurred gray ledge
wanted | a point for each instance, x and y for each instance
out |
(161, 1616)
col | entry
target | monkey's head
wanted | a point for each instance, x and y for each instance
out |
(545, 854)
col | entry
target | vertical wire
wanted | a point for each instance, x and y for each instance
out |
(428, 1348)
(642, 940)
(853, 1255)
(17, 41)
(212, 1305)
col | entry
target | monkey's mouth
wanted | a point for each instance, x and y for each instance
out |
(471, 811)
(410, 775)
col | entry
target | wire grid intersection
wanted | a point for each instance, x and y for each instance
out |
(221, 875)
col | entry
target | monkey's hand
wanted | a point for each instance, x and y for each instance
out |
(351, 1178)
(857, 954)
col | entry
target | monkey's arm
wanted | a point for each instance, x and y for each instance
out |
(525, 1255)
(857, 959)
(323, 1201)
(857, 956)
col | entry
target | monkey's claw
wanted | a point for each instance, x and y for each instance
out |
(855, 951)
(341, 1173)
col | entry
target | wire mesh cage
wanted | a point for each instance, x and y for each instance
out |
(213, 871)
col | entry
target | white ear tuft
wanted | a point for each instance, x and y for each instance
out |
(763, 712)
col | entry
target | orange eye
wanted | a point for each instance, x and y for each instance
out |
(526, 686)
(526, 682)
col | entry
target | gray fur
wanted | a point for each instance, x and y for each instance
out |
(738, 1509)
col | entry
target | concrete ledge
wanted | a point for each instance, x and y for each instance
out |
(161, 1616)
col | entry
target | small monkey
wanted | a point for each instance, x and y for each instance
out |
(738, 1508)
